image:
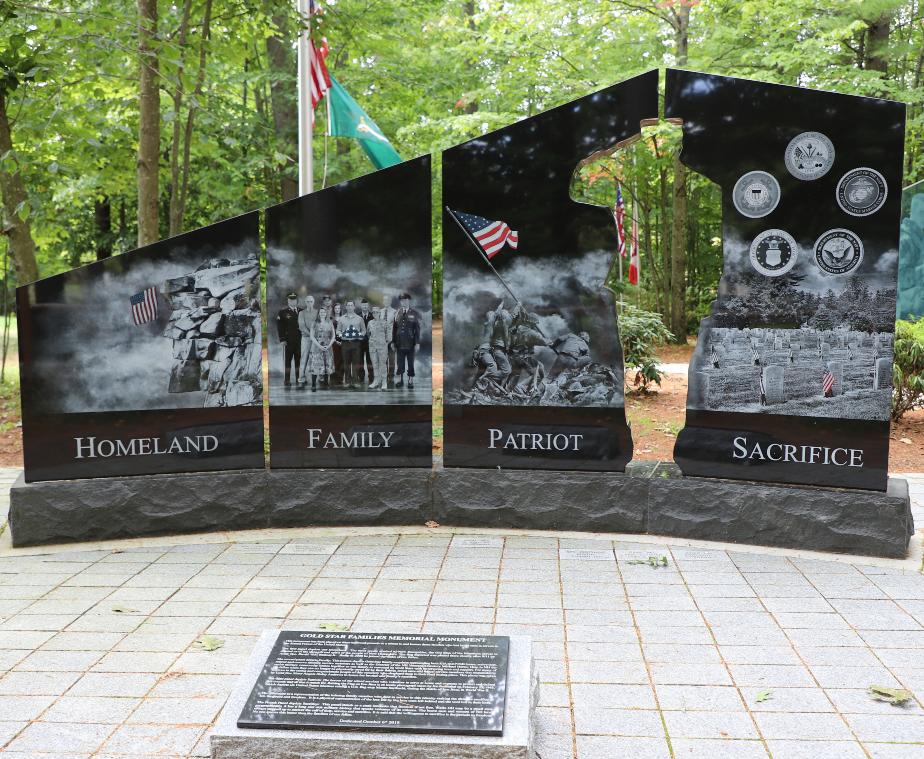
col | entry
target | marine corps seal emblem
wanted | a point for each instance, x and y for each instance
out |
(861, 192)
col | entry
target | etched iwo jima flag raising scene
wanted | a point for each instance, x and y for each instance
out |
(455, 378)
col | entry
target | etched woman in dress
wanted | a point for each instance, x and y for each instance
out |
(321, 357)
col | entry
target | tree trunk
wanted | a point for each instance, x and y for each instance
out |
(282, 98)
(149, 120)
(175, 215)
(22, 246)
(193, 107)
(678, 298)
(102, 218)
(679, 254)
(877, 44)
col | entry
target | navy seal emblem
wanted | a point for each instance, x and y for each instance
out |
(862, 191)
(756, 194)
(838, 251)
(773, 252)
(809, 156)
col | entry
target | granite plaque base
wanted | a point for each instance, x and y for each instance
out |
(650, 497)
(229, 741)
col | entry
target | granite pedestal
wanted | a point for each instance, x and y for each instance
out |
(650, 497)
(228, 741)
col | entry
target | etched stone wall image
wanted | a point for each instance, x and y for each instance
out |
(216, 332)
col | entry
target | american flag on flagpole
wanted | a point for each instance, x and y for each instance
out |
(320, 79)
(313, 7)
(491, 236)
(144, 306)
(619, 215)
(827, 384)
(634, 261)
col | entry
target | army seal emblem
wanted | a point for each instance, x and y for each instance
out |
(838, 251)
(756, 194)
(773, 252)
(809, 156)
(861, 192)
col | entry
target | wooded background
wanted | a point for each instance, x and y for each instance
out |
(125, 121)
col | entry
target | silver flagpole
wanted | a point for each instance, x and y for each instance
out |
(305, 157)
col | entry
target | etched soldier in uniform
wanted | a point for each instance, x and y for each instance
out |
(366, 358)
(290, 336)
(406, 337)
(378, 333)
(491, 354)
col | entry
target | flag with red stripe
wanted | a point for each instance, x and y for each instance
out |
(490, 235)
(619, 215)
(320, 78)
(635, 264)
(827, 384)
(144, 306)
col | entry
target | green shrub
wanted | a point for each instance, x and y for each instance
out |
(908, 368)
(639, 332)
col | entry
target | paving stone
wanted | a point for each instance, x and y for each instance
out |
(709, 749)
(782, 749)
(43, 737)
(715, 725)
(602, 747)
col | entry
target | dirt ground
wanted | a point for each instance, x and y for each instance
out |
(656, 418)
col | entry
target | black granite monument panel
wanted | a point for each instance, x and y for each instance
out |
(348, 285)
(791, 378)
(531, 345)
(381, 682)
(148, 362)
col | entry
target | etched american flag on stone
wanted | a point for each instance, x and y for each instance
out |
(144, 306)
(490, 235)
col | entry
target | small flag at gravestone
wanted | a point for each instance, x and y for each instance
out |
(144, 306)
(755, 356)
(714, 357)
(763, 390)
(827, 385)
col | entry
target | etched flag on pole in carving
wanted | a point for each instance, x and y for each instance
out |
(144, 306)
(619, 215)
(827, 384)
(490, 235)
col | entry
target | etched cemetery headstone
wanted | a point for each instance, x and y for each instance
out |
(883, 376)
(773, 384)
(146, 362)
(811, 245)
(533, 367)
(382, 682)
(348, 283)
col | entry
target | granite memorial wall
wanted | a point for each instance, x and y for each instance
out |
(148, 362)
(791, 380)
(348, 285)
(533, 366)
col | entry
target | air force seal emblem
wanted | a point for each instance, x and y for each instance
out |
(773, 252)
(861, 192)
(809, 156)
(756, 194)
(838, 251)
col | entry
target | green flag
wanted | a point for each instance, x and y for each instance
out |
(347, 119)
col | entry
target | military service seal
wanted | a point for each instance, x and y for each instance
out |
(756, 194)
(809, 156)
(862, 191)
(773, 252)
(838, 251)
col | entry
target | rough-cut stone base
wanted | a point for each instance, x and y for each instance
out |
(228, 741)
(63, 511)
(650, 497)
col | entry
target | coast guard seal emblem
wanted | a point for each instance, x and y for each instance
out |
(861, 192)
(838, 251)
(756, 194)
(809, 156)
(773, 252)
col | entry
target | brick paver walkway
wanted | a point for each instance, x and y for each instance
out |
(718, 654)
